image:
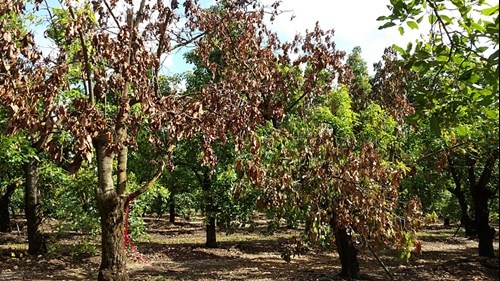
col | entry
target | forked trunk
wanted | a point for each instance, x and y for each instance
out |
(4, 208)
(348, 254)
(111, 209)
(36, 241)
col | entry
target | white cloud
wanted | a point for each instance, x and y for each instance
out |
(354, 22)
(167, 61)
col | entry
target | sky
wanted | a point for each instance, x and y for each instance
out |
(354, 22)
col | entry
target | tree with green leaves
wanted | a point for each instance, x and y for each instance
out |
(360, 88)
(455, 89)
(456, 63)
(11, 178)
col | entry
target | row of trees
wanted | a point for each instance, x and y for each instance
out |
(290, 127)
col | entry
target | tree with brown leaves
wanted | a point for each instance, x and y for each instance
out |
(342, 168)
(112, 74)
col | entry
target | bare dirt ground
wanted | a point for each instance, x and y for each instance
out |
(176, 252)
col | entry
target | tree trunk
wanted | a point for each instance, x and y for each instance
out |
(111, 210)
(113, 259)
(347, 252)
(480, 197)
(210, 228)
(36, 241)
(211, 241)
(485, 232)
(465, 220)
(171, 209)
(4, 208)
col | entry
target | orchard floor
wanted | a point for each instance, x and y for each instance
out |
(176, 252)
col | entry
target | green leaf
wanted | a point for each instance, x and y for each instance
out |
(482, 49)
(490, 11)
(409, 47)
(399, 49)
(442, 58)
(386, 25)
(493, 57)
(462, 130)
(491, 113)
(435, 124)
(446, 18)
(466, 75)
(477, 26)
(401, 30)
(412, 24)
(432, 19)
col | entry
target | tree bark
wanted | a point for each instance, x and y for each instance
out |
(347, 252)
(111, 209)
(480, 197)
(32, 201)
(211, 227)
(113, 259)
(211, 231)
(171, 209)
(465, 220)
(4, 208)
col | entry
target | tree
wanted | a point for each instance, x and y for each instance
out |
(100, 94)
(10, 180)
(472, 166)
(217, 190)
(457, 82)
(14, 24)
(438, 174)
(344, 167)
(457, 64)
(360, 88)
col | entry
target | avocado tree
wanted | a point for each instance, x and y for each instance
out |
(343, 167)
(16, 24)
(456, 87)
(112, 73)
(10, 180)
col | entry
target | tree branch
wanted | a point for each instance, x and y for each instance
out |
(150, 183)
(111, 13)
(187, 41)
(452, 45)
(439, 150)
(88, 72)
(486, 174)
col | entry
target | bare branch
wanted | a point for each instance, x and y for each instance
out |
(88, 71)
(151, 182)
(111, 13)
